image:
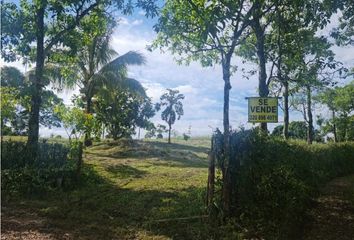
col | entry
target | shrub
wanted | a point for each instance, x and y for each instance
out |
(186, 137)
(14, 155)
(276, 180)
(51, 170)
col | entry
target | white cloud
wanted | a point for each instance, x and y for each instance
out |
(128, 22)
(187, 89)
(202, 87)
(123, 21)
(137, 22)
(154, 90)
(141, 13)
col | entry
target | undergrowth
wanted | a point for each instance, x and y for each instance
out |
(276, 181)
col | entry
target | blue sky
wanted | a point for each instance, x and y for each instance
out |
(202, 87)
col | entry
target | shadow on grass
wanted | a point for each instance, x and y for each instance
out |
(98, 209)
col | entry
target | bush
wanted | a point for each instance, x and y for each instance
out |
(276, 180)
(186, 137)
(52, 169)
(14, 155)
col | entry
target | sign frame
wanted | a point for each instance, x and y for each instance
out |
(266, 117)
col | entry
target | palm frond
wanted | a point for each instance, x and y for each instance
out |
(61, 77)
(134, 86)
(130, 58)
(103, 52)
(112, 80)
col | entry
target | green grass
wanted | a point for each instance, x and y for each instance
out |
(349, 193)
(128, 186)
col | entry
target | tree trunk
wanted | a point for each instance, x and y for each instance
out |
(169, 132)
(211, 178)
(227, 183)
(282, 79)
(88, 104)
(87, 139)
(334, 126)
(2, 129)
(286, 110)
(262, 75)
(36, 86)
(79, 159)
(345, 126)
(309, 115)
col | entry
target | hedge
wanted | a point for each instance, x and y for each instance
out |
(54, 169)
(277, 180)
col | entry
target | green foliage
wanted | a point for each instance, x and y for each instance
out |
(173, 104)
(9, 100)
(122, 111)
(29, 181)
(76, 122)
(340, 101)
(297, 130)
(12, 77)
(19, 23)
(173, 107)
(34, 30)
(344, 33)
(51, 170)
(97, 64)
(14, 155)
(186, 137)
(205, 31)
(274, 188)
(16, 112)
(157, 131)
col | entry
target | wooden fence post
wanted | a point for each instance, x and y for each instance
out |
(211, 179)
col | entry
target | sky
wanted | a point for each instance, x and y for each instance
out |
(202, 87)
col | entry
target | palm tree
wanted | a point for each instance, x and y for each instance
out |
(173, 108)
(97, 69)
(100, 66)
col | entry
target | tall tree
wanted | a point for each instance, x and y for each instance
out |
(316, 71)
(9, 100)
(13, 78)
(122, 111)
(327, 97)
(173, 108)
(35, 28)
(98, 65)
(260, 22)
(340, 102)
(209, 32)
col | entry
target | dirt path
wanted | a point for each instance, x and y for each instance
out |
(25, 225)
(333, 215)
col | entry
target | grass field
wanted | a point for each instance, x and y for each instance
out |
(130, 187)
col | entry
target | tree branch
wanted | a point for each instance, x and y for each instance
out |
(60, 34)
